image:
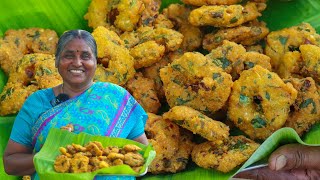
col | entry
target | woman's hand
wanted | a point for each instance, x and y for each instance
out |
(291, 161)
(18, 159)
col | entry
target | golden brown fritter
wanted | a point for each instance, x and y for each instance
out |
(37, 40)
(290, 65)
(143, 91)
(305, 111)
(310, 61)
(249, 60)
(79, 163)
(246, 34)
(163, 21)
(255, 48)
(168, 159)
(225, 16)
(9, 55)
(192, 35)
(123, 14)
(118, 63)
(226, 54)
(192, 80)
(146, 54)
(260, 102)
(153, 72)
(46, 75)
(289, 39)
(171, 39)
(97, 13)
(150, 13)
(198, 123)
(225, 156)
(210, 2)
(130, 39)
(62, 164)
(13, 96)
(163, 135)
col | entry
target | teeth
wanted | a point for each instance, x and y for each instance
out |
(76, 71)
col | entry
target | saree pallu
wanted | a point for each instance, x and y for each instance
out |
(104, 109)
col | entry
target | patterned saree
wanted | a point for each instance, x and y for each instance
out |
(103, 109)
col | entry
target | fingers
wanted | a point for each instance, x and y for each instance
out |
(266, 174)
(294, 156)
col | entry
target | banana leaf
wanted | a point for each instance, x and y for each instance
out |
(5, 129)
(44, 159)
(61, 15)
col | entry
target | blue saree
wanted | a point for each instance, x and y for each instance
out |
(103, 109)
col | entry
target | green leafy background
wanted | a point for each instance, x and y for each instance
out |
(62, 15)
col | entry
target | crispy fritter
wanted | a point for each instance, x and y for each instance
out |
(224, 16)
(249, 60)
(255, 48)
(79, 163)
(166, 160)
(128, 14)
(13, 96)
(226, 54)
(310, 61)
(46, 75)
(171, 39)
(192, 80)
(198, 123)
(305, 110)
(9, 55)
(260, 102)
(163, 135)
(133, 159)
(37, 40)
(246, 34)
(163, 21)
(150, 13)
(290, 65)
(210, 2)
(289, 39)
(62, 164)
(97, 13)
(225, 156)
(123, 14)
(153, 72)
(119, 64)
(143, 90)
(146, 54)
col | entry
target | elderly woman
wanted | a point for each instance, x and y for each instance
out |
(92, 107)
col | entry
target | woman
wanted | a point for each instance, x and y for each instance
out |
(292, 162)
(96, 108)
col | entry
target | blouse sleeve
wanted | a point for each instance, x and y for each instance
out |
(138, 128)
(22, 128)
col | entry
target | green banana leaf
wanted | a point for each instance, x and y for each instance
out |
(44, 160)
(5, 129)
(61, 15)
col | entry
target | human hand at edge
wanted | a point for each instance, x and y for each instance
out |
(291, 161)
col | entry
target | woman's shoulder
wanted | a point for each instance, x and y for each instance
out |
(42, 94)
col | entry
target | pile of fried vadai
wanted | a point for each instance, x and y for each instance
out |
(76, 158)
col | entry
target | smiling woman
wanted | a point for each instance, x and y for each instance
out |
(98, 108)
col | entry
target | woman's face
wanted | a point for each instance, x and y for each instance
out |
(77, 64)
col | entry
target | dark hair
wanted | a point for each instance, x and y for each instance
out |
(66, 37)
